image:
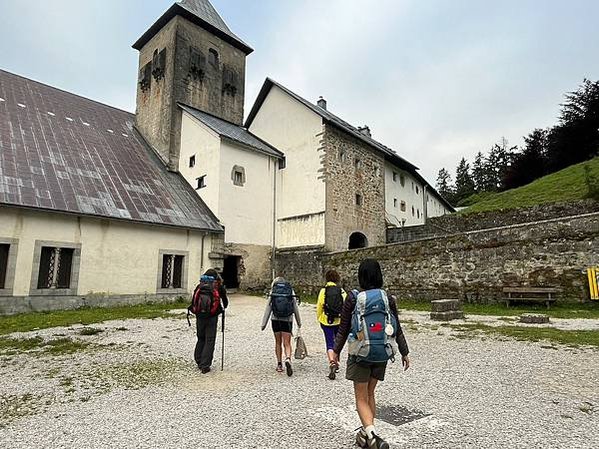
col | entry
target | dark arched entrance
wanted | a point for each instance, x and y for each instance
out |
(357, 240)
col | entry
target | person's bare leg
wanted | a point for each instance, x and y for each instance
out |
(287, 344)
(362, 404)
(371, 401)
(278, 347)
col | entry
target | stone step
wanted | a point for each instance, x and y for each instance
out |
(445, 305)
(534, 318)
(447, 315)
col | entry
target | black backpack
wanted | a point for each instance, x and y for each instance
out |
(281, 299)
(333, 302)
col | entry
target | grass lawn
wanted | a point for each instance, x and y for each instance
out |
(559, 310)
(569, 184)
(31, 321)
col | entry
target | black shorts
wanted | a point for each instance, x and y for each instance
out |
(282, 326)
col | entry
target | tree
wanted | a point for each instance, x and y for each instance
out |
(531, 163)
(464, 185)
(479, 173)
(498, 162)
(444, 186)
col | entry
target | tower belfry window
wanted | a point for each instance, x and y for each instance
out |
(213, 57)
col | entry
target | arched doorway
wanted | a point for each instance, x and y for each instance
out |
(357, 240)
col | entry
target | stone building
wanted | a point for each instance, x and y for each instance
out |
(100, 205)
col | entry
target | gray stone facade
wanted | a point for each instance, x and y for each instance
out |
(255, 270)
(473, 266)
(200, 70)
(351, 168)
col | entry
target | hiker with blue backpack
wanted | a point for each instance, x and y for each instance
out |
(328, 312)
(281, 307)
(209, 301)
(370, 326)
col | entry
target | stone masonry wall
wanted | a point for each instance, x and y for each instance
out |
(473, 266)
(455, 223)
(343, 181)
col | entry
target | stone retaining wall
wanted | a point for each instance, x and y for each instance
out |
(472, 266)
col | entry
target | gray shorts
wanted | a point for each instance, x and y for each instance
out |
(362, 372)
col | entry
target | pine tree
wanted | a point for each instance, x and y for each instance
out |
(464, 185)
(444, 186)
(479, 172)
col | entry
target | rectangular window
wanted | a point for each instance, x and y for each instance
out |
(192, 161)
(394, 177)
(403, 206)
(238, 178)
(394, 202)
(4, 249)
(358, 164)
(402, 180)
(172, 271)
(201, 182)
(358, 199)
(55, 268)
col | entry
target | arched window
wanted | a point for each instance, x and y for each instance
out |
(213, 57)
(357, 240)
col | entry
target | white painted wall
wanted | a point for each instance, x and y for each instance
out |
(199, 140)
(117, 258)
(296, 131)
(246, 211)
(412, 193)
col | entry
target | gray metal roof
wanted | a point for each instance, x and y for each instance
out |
(233, 132)
(341, 124)
(64, 153)
(200, 12)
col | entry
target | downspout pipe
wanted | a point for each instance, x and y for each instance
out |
(274, 219)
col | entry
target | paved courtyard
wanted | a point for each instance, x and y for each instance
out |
(135, 385)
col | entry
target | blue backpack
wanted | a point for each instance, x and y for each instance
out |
(282, 299)
(373, 328)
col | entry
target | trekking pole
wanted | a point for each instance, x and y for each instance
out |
(222, 359)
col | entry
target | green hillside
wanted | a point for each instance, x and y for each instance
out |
(574, 183)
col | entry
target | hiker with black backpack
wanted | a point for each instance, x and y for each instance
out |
(281, 307)
(370, 325)
(209, 300)
(328, 312)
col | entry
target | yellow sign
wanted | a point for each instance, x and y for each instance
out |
(593, 274)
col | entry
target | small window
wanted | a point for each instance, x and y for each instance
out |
(172, 271)
(342, 156)
(417, 190)
(238, 178)
(394, 177)
(377, 171)
(418, 213)
(394, 202)
(238, 175)
(192, 161)
(403, 206)
(4, 250)
(402, 180)
(358, 164)
(201, 182)
(359, 199)
(55, 268)
(413, 211)
(213, 57)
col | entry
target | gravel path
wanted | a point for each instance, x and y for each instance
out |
(136, 386)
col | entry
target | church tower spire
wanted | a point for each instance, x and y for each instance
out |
(188, 56)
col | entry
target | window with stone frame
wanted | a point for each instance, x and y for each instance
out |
(238, 175)
(213, 57)
(403, 206)
(172, 271)
(359, 199)
(4, 251)
(55, 268)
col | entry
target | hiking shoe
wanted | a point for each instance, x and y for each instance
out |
(361, 438)
(279, 367)
(205, 370)
(376, 442)
(288, 367)
(332, 371)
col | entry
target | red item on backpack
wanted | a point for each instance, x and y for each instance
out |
(206, 300)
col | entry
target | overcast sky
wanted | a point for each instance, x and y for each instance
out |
(435, 80)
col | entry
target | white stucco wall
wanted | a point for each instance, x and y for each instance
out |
(117, 258)
(412, 193)
(203, 143)
(246, 211)
(296, 131)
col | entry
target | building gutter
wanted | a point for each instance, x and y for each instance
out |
(274, 218)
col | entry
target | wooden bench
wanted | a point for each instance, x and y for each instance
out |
(533, 294)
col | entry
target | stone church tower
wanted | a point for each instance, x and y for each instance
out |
(189, 56)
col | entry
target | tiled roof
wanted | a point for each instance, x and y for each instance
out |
(233, 132)
(65, 153)
(200, 12)
(332, 119)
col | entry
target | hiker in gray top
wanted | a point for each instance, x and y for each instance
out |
(281, 308)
